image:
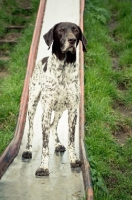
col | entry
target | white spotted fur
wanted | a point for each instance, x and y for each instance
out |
(57, 89)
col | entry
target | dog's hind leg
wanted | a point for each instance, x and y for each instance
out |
(58, 146)
(72, 119)
(34, 95)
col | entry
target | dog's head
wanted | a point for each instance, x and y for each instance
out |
(65, 37)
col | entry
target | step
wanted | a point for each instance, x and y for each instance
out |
(8, 41)
(4, 58)
(14, 27)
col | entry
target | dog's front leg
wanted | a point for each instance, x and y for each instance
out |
(59, 147)
(34, 94)
(72, 119)
(43, 170)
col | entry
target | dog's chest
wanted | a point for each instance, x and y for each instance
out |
(59, 83)
(59, 75)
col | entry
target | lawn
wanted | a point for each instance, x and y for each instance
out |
(108, 99)
(108, 90)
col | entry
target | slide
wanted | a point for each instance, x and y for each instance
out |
(18, 181)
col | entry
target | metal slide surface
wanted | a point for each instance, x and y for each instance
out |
(19, 181)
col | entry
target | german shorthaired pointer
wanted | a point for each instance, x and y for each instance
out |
(55, 82)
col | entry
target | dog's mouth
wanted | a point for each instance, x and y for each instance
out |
(70, 48)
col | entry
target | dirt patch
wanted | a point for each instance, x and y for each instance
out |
(24, 4)
(111, 182)
(10, 37)
(122, 85)
(3, 74)
(122, 133)
(112, 26)
(126, 112)
(4, 58)
(115, 63)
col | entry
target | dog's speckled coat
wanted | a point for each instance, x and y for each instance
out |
(55, 82)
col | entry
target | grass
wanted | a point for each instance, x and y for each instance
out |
(108, 91)
(11, 85)
(106, 87)
(16, 13)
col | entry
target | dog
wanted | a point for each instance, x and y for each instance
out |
(55, 82)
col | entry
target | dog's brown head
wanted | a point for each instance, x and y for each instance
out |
(65, 37)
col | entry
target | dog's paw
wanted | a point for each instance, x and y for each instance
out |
(76, 163)
(60, 148)
(74, 160)
(42, 172)
(27, 155)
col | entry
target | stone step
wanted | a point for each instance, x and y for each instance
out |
(15, 27)
(8, 41)
(4, 58)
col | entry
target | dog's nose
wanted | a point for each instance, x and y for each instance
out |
(72, 40)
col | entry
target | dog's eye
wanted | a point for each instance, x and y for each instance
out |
(75, 30)
(62, 30)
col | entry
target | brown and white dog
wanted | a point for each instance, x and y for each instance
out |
(55, 82)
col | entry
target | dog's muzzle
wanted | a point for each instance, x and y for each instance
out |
(69, 45)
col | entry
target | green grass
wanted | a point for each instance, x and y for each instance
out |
(110, 162)
(11, 85)
(15, 14)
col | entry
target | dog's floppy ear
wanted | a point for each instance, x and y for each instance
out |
(84, 41)
(48, 37)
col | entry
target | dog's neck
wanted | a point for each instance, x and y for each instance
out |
(61, 72)
(68, 57)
